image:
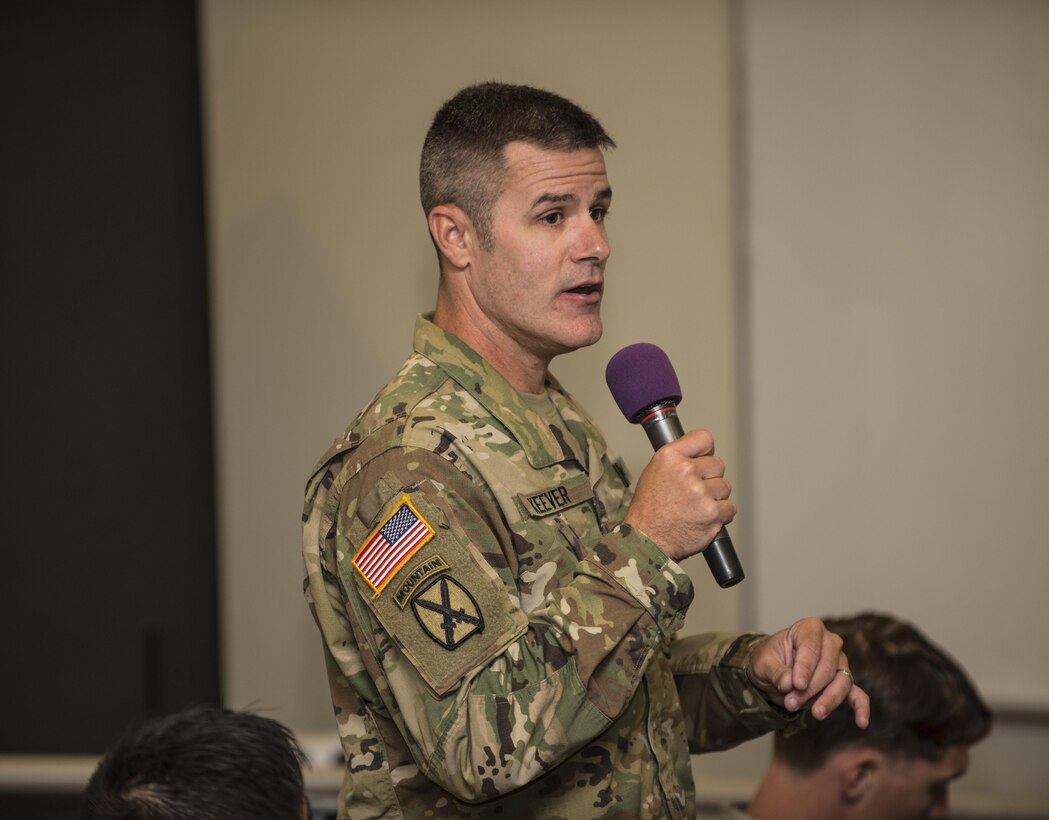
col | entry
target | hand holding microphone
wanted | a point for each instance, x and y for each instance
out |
(681, 500)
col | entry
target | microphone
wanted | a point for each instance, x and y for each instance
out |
(645, 387)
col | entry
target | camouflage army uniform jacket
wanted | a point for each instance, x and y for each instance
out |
(498, 644)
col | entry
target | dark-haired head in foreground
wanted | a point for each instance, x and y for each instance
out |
(925, 714)
(204, 763)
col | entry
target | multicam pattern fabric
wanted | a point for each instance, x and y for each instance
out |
(524, 661)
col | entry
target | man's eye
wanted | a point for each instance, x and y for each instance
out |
(598, 214)
(552, 218)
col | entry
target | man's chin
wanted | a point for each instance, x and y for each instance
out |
(582, 339)
(593, 340)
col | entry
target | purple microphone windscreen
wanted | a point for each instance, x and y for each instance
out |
(640, 375)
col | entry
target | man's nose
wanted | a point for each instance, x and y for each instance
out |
(592, 243)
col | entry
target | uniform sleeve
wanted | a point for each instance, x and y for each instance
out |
(488, 697)
(721, 707)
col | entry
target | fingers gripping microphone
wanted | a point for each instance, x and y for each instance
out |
(645, 387)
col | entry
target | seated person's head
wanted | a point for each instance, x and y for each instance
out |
(925, 714)
(204, 763)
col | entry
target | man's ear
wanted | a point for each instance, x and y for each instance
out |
(453, 234)
(857, 770)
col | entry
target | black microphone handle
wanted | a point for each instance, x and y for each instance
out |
(663, 426)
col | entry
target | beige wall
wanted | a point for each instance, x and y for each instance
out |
(899, 207)
(315, 114)
(897, 158)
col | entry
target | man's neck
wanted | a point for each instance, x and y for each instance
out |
(525, 371)
(787, 795)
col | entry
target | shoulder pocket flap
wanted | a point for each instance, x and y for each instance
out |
(443, 606)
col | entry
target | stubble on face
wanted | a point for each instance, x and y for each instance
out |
(538, 289)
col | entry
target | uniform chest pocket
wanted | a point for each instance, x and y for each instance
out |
(577, 530)
(567, 509)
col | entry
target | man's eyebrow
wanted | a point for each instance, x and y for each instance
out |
(542, 199)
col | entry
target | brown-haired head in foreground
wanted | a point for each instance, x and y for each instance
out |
(922, 702)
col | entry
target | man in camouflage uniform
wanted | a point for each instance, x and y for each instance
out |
(499, 610)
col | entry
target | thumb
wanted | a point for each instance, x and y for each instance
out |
(693, 444)
(770, 668)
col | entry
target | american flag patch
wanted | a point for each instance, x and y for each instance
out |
(388, 549)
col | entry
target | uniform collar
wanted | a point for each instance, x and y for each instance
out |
(486, 385)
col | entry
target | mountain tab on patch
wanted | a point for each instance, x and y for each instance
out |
(419, 573)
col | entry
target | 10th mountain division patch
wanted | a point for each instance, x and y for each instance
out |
(447, 612)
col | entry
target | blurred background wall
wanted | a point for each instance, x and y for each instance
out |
(897, 190)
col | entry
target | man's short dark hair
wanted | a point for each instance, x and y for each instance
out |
(922, 702)
(462, 158)
(205, 763)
